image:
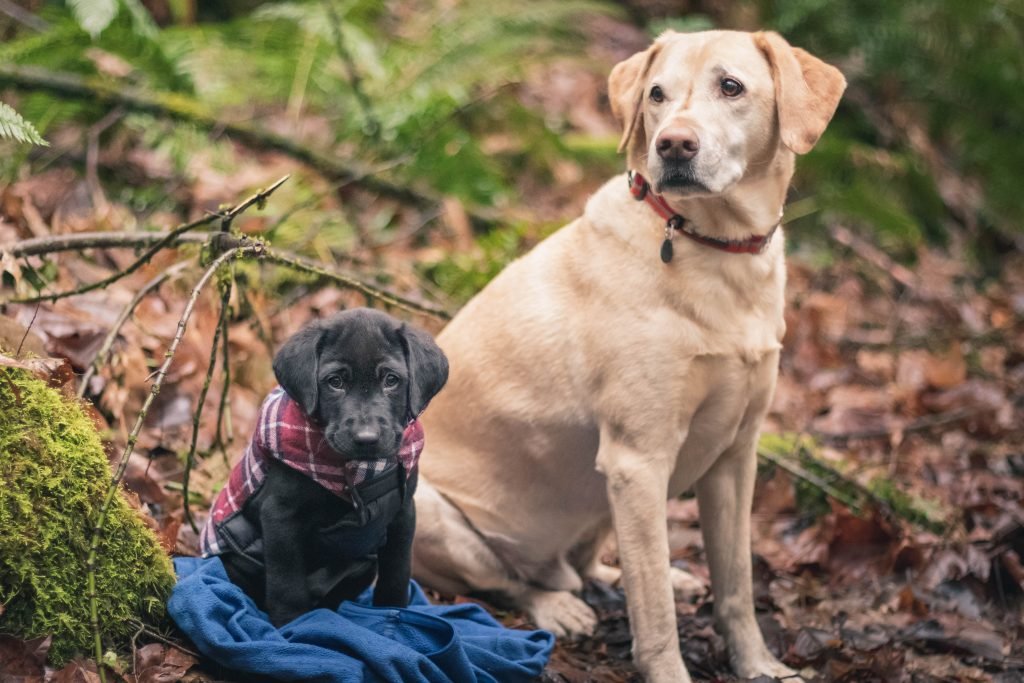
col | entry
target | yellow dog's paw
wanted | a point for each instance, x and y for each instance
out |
(561, 612)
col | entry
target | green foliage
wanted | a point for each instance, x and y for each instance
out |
(53, 476)
(94, 15)
(14, 127)
(462, 275)
(935, 100)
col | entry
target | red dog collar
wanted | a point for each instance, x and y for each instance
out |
(641, 191)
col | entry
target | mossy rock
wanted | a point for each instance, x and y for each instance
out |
(53, 478)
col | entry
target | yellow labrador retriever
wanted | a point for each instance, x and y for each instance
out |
(632, 355)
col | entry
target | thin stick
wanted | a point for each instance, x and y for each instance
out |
(298, 263)
(129, 448)
(99, 284)
(103, 355)
(875, 256)
(810, 478)
(224, 409)
(258, 198)
(100, 240)
(190, 457)
(23, 16)
(164, 639)
(28, 329)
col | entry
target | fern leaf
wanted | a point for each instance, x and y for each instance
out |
(14, 127)
(94, 15)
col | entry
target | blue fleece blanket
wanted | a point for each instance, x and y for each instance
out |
(358, 642)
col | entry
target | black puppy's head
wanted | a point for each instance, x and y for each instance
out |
(362, 375)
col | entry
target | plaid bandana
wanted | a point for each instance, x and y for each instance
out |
(285, 433)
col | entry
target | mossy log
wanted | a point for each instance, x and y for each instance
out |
(53, 476)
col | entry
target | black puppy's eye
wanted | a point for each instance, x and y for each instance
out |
(657, 95)
(731, 87)
(391, 380)
(335, 382)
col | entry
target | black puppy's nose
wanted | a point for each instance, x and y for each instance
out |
(366, 436)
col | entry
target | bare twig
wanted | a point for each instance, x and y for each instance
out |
(92, 155)
(99, 284)
(50, 244)
(298, 263)
(108, 342)
(190, 457)
(258, 198)
(163, 639)
(809, 477)
(224, 409)
(97, 530)
(875, 256)
(23, 16)
(28, 328)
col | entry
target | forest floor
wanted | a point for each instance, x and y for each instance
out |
(888, 532)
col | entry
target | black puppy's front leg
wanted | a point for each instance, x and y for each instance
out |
(287, 593)
(394, 561)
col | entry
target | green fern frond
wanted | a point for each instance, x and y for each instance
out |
(142, 21)
(94, 15)
(14, 127)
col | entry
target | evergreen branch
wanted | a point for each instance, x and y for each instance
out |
(258, 198)
(102, 356)
(133, 437)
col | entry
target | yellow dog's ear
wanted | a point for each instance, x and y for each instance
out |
(626, 95)
(807, 91)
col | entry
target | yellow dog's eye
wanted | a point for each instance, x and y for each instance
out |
(657, 95)
(731, 87)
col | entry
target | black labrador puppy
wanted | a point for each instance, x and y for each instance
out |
(322, 502)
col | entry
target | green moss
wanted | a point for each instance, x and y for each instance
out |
(53, 476)
(816, 480)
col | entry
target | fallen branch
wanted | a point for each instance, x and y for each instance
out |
(812, 479)
(875, 256)
(133, 436)
(38, 246)
(181, 108)
(102, 356)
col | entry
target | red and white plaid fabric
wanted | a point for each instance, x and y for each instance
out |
(285, 433)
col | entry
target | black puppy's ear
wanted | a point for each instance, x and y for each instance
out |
(297, 366)
(427, 367)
